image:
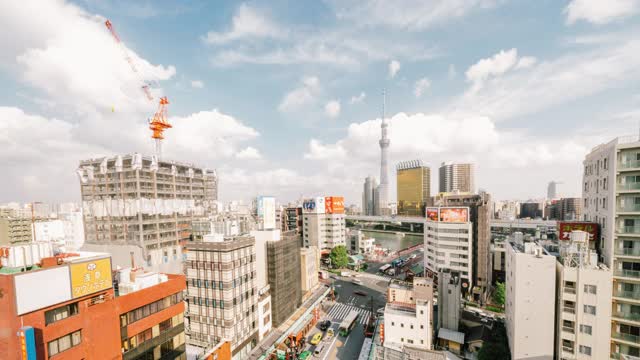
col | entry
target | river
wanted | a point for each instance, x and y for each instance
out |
(394, 241)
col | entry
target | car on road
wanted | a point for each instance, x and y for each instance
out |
(360, 292)
(315, 340)
(357, 281)
(304, 355)
(324, 325)
(329, 333)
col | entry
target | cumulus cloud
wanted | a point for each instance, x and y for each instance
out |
(600, 12)
(249, 153)
(197, 84)
(420, 86)
(332, 109)
(497, 65)
(302, 96)
(358, 99)
(247, 22)
(394, 67)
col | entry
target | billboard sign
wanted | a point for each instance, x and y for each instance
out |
(90, 276)
(432, 214)
(334, 205)
(565, 229)
(454, 214)
(314, 206)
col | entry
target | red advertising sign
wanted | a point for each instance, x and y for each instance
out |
(454, 215)
(334, 205)
(565, 229)
(432, 214)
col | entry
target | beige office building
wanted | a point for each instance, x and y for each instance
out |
(309, 267)
(611, 197)
(408, 314)
(222, 293)
(15, 230)
(413, 187)
(457, 177)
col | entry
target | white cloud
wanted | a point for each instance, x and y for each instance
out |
(407, 14)
(551, 82)
(497, 65)
(249, 153)
(451, 72)
(394, 67)
(197, 84)
(358, 99)
(332, 109)
(302, 96)
(247, 23)
(420, 86)
(600, 12)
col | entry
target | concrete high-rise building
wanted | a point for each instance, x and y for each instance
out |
(408, 314)
(449, 301)
(368, 196)
(382, 193)
(222, 293)
(138, 204)
(530, 210)
(611, 198)
(530, 300)
(448, 243)
(309, 267)
(567, 209)
(283, 268)
(457, 177)
(413, 187)
(552, 190)
(480, 217)
(15, 230)
(324, 225)
(583, 318)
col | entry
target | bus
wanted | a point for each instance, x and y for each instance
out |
(348, 323)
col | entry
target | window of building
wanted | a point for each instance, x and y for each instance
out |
(401, 339)
(585, 350)
(586, 329)
(589, 309)
(64, 343)
(590, 289)
(393, 323)
(421, 326)
(401, 325)
(60, 313)
(410, 341)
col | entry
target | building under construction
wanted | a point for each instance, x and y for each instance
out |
(283, 269)
(139, 206)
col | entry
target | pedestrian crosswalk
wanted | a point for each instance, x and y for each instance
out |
(339, 311)
(378, 277)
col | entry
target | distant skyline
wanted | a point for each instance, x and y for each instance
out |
(284, 97)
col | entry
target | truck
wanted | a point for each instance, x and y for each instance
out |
(384, 268)
(344, 273)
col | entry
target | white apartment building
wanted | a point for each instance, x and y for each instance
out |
(359, 243)
(611, 197)
(408, 315)
(321, 228)
(530, 300)
(448, 246)
(309, 267)
(583, 318)
(457, 177)
(264, 312)
(49, 231)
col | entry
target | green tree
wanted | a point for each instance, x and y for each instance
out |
(339, 257)
(499, 294)
(497, 347)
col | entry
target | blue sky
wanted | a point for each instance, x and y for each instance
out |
(284, 97)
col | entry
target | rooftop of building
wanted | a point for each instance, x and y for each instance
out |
(451, 335)
(222, 243)
(37, 256)
(93, 161)
(131, 280)
(400, 309)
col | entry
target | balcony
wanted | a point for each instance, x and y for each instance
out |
(569, 309)
(635, 274)
(628, 207)
(631, 187)
(569, 290)
(619, 356)
(629, 165)
(568, 349)
(626, 337)
(625, 315)
(633, 295)
(628, 251)
(568, 329)
(631, 230)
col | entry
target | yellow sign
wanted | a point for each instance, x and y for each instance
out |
(90, 276)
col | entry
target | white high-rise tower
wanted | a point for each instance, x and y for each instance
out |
(383, 188)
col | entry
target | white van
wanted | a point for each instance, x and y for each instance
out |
(318, 349)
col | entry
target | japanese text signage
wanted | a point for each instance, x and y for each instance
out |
(90, 276)
(565, 229)
(432, 214)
